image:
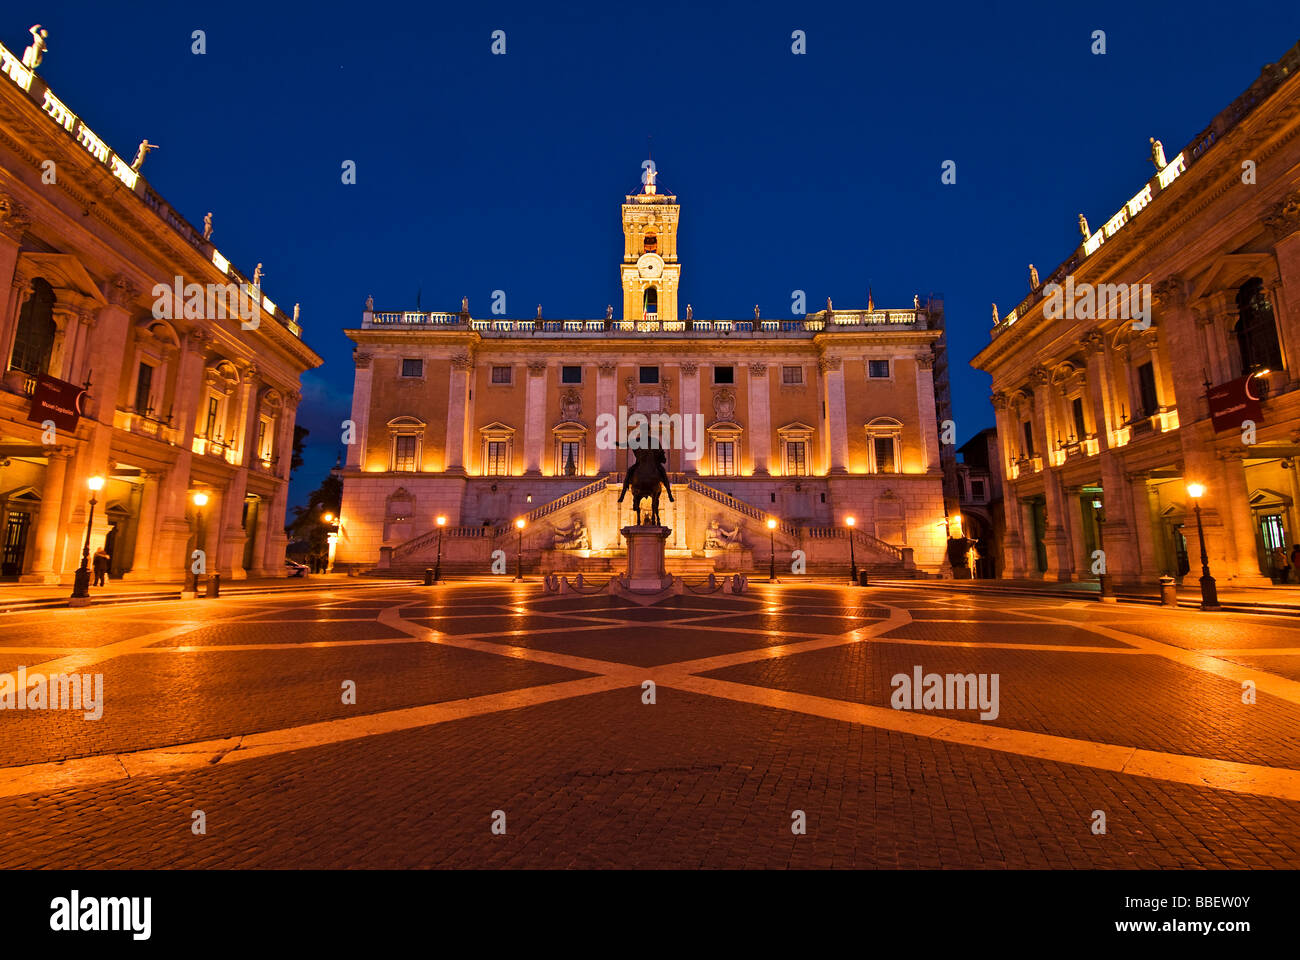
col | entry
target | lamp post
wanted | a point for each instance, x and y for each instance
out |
(853, 559)
(81, 579)
(437, 565)
(771, 550)
(1103, 578)
(1209, 590)
(200, 537)
(519, 550)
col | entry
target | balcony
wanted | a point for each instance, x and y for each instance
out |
(1074, 448)
(146, 423)
(216, 447)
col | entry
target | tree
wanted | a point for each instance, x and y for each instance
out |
(299, 436)
(309, 522)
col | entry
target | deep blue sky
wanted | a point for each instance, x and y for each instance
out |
(479, 172)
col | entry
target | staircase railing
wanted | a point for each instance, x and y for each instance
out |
(727, 500)
(868, 541)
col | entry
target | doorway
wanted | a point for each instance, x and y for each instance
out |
(17, 526)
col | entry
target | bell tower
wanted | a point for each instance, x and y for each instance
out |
(650, 271)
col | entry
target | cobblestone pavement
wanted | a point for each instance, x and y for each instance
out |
(709, 731)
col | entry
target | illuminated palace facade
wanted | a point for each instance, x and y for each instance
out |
(97, 386)
(1107, 413)
(805, 421)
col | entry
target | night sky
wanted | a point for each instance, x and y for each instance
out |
(478, 172)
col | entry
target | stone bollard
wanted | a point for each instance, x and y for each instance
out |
(1107, 588)
(862, 579)
(1168, 592)
(214, 585)
(428, 576)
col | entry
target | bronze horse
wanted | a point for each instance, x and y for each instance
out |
(644, 476)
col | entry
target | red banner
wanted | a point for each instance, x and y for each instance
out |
(58, 401)
(1232, 403)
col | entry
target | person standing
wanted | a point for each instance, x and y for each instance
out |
(100, 562)
(1281, 567)
(1295, 561)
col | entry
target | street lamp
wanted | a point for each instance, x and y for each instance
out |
(771, 550)
(519, 551)
(200, 500)
(853, 560)
(437, 566)
(81, 579)
(1103, 578)
(1209, 591)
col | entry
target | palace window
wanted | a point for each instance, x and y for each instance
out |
(1027, 429)
(570, 452)
(144, 388)
(878, 369)
(1147, 391)
(407, 437)
(34, 339)
(796, 458)
(571, 374)
(1080, 424)
(412, 368)
(649, 374)
(651, 243)
(796, 441)
(792, 375)
(211, 420)
(496, 465)
(501, 374)
(404, 452)
(1256, 330)
(884, 445)
(651, 300)
(724, 374)
(977, 493)
(724, 458)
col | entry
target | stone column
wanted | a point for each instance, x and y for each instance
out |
(229, 533)
(535, 418)
(361, 409)
(1080, 559)
(145, 527)
(837, 436)
(607, 404)
(692, 418)
(1236, 505)
(1056, 537)
(925, 406)
(272, 519)
(13, 223)
(1100, 389)
(1283, 222)
(48, 522)
(1012, 561)
(1140, 504)
(462, 365)
(760, 421)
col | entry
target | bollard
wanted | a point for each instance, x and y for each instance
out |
(428, 576)
(214, 585)
(1107, 589)
(862, 578)
(1168, 592)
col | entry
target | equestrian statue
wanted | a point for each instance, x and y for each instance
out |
(644, 476)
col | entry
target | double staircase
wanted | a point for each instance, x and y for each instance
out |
(469, 550)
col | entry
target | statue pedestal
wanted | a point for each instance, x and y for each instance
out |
(645, 559)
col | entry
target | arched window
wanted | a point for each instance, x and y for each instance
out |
(34, 339)
(651, 300)
(1256, 332)
(651, 243)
